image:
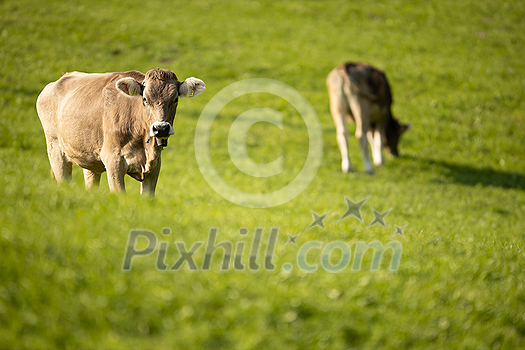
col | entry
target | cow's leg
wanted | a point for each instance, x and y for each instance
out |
(150, 181)
(342, 141)
(361, 112)
(91, 178)
(61, 167)
(339, 109)
(376, 143)
(115, 168)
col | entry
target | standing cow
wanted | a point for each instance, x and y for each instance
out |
(361, 93)
(114, 122)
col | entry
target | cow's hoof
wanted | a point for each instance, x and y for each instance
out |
(370, 172)
(346, 166)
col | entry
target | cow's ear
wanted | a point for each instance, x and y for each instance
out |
(191, 87)
(403, 128)
(129, 86)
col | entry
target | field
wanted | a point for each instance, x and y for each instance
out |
(457, 72)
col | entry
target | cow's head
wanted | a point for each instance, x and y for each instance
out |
(393, 134)
(160, 92)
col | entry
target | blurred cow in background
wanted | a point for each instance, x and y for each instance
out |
(361, 93)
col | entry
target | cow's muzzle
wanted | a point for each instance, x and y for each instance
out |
(160, 131)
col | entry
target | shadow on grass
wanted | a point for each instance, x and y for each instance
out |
(469, 175)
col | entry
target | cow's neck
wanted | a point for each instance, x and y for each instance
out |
(152, 153)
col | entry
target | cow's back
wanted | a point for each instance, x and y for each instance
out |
(370, 81)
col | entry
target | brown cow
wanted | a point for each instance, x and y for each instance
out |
(361, 93)
(114, 122)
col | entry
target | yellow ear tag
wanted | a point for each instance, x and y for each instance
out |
(191, 94)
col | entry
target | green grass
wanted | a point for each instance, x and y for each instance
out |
(457, 74)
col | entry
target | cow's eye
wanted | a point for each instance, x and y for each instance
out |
(144, 102)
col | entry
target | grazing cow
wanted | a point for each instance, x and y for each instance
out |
(114, 122)
(361, 93)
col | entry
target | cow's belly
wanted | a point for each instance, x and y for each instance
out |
(88, 157)
(84, 158)
(84, 155)
(377, 113)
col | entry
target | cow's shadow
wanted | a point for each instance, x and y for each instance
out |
(469, 175)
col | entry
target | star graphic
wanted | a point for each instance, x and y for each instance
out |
(318, 219)
(379, 218)
(353, 208)
(292, 239)
(399, 230)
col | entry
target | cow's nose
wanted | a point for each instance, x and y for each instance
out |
(161, 130)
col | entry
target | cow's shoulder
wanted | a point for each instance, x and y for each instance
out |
(122, 111)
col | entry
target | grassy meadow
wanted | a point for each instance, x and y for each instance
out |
(457, 72)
